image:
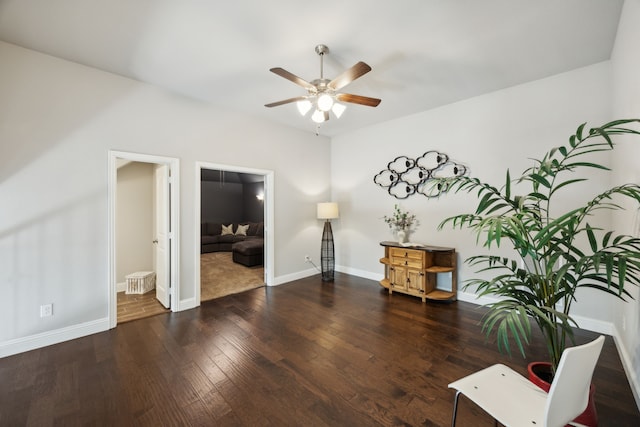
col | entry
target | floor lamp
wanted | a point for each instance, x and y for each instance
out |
(327, 211)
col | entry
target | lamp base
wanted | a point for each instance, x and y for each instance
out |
(327, 278)
(327, 258)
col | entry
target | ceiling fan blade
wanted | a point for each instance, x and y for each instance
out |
(358, 70)
(357, 99)
(292, 77)
(285, 101)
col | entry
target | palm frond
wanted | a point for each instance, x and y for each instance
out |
(558, 263)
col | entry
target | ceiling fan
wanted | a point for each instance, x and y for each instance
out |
(322, 94)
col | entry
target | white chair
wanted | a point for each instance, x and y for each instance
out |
(514, 401)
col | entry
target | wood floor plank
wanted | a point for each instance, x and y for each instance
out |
(304, 353)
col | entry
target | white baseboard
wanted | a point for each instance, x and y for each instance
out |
(279, 280)
(594, 325)
(186, 304)
(627, 363)
(360, 273)
(311, 271)
(121, 287)
(44, 339)
(475, 299)
(586, 323)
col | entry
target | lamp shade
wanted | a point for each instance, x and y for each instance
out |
(318, 116)
(328, 210)
(304, 106)
(325, 102)
(338, 109)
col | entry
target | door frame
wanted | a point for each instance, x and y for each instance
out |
(268, 217)
(173, 209)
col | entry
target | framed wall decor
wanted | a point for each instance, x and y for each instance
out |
(405, 176)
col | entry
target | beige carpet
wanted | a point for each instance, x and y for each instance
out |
(220, 276)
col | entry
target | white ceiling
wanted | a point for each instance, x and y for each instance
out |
(424, 53)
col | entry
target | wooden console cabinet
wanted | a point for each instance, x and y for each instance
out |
(414, 270)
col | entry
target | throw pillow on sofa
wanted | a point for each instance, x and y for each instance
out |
(242, 230)
(227, 229)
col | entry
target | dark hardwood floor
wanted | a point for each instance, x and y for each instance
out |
(305, 353)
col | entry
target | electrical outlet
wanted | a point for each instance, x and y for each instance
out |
(46, 310)
(307, 258)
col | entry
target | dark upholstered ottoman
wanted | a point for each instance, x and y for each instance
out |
(248, 252)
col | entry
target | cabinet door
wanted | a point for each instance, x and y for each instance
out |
(398, 278)
(415, 281)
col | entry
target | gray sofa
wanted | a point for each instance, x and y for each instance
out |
(212, 240)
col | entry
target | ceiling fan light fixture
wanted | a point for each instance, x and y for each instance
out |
(318, 116)
(322, 94)
(304, 106)
(338, 109)
(325, 102)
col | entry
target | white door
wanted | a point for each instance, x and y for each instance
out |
(161, 232)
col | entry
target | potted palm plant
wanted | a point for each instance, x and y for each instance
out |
(554, 253)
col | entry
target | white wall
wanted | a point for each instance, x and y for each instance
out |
(58, 121)
(488, 133)
(626, 104)
(134, 219)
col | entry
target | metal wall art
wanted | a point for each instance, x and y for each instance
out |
(405, 176)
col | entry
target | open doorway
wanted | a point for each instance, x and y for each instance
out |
(233, 241)
(142, 241)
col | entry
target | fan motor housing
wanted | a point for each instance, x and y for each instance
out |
(321, 49)
(321, 84)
